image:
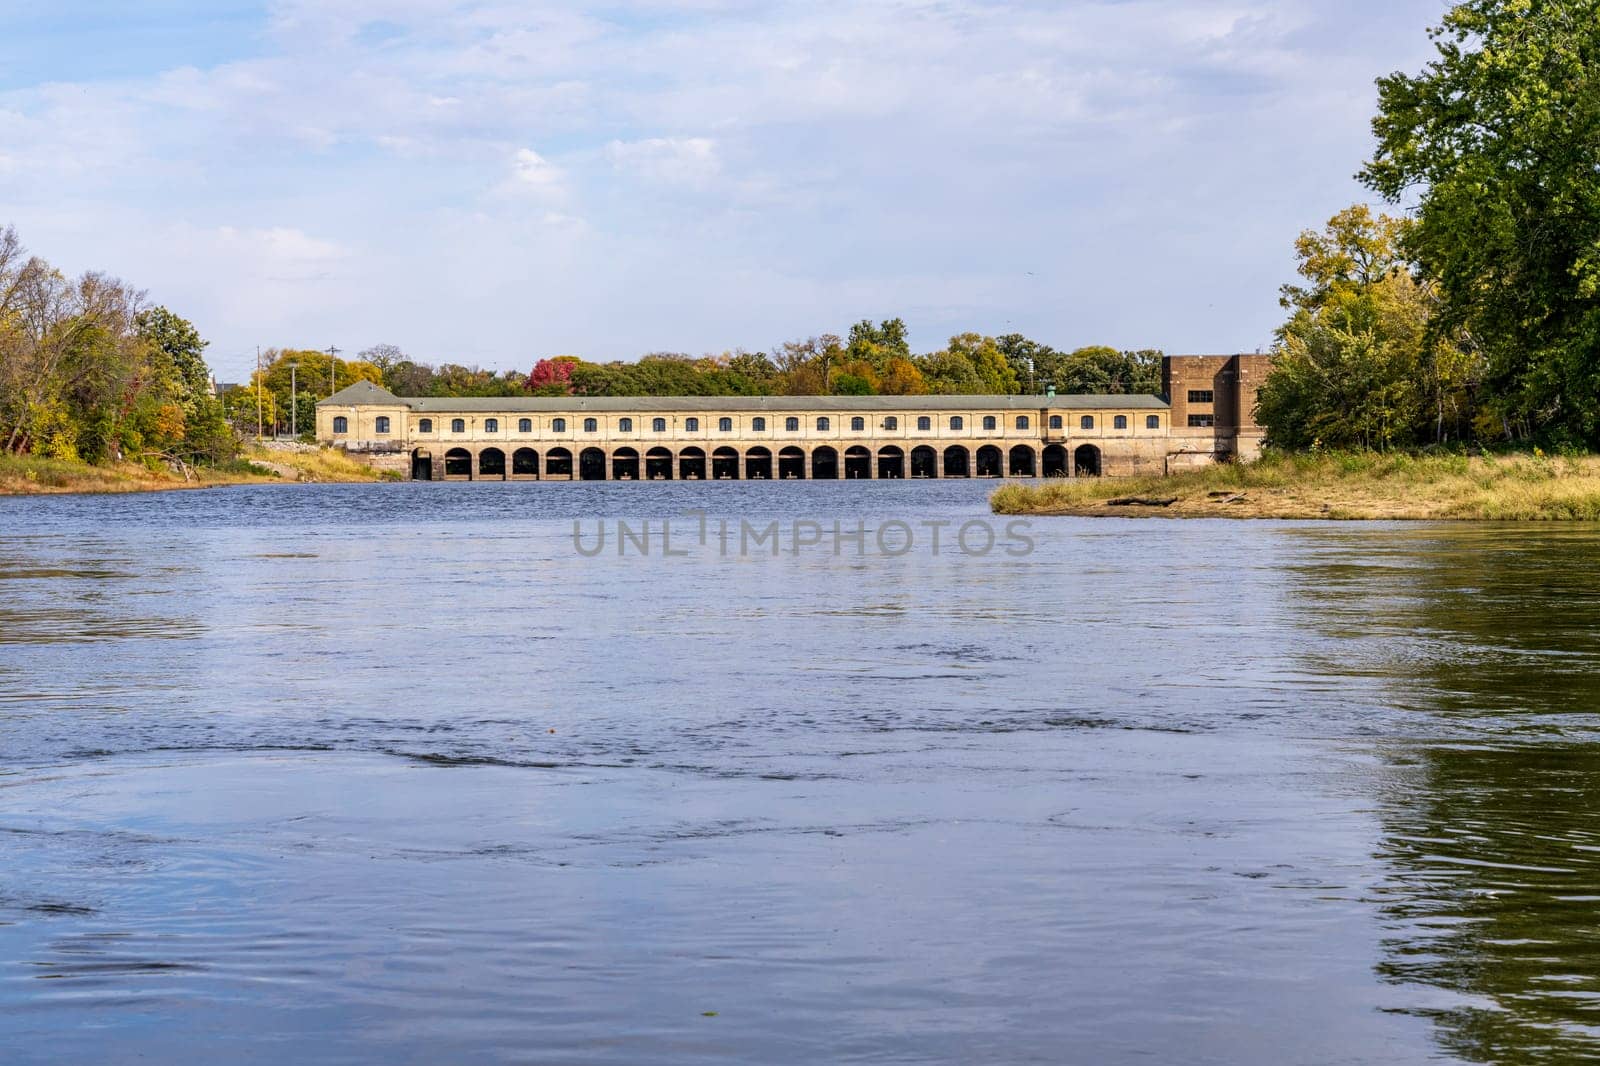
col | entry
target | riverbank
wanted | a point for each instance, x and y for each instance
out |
(29, 475)
(1520, 488)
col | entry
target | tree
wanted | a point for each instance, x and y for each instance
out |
(550, 377)
(1498, 139)
(1361, 363)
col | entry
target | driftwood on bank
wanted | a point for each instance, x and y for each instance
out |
(1143, 501)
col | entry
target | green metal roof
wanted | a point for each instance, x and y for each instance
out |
(367, 393)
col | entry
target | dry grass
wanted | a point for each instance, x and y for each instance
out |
(1519, 488)
(26, 474)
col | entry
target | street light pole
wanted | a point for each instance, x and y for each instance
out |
(333, 358)
(294, 402)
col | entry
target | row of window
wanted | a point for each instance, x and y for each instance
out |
(725, 425)
(1202, 395)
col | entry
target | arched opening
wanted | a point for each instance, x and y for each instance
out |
(658, 465)
(924, 462)
(591, 465)
(1055, 461)
(758, 464)
(957, 461)
(791, 464)
(422, 465)
(857, 463)
(1023, 462)
(891, 462)
(692, 464)
(492, 463)
(625, 464)
(558, 463)
(725, 465)
(525, 463)
(824, 464)
(991, 461)
(1086, 461)
(458, 465)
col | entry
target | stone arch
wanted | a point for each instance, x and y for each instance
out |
(857, 463)
(692, 464)
(758, 464)
(1024, 462)
(824, 464)
(625, 464)
(591, 465)
(792, 464)
(658, 464)
(725, 464)
(492, 464)
(558, 463)
(891, 462)
(924, 462)
(525, 463)
(421, 465)
(957, 461)
(1055, 461)
(458, 465)
(991, 461)
(1086, 461)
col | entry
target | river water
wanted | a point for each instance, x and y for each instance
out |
(398, 773)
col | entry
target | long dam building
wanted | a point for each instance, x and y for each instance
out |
(1205, 416)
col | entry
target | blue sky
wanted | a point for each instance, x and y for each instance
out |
(492, 181)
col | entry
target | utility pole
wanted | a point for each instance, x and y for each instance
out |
(333, 357)
(294, 401)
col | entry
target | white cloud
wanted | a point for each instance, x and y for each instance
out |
(534, 171)
(680, 160)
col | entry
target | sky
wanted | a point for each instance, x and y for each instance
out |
(494, 181)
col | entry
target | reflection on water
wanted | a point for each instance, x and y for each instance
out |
(391, 773)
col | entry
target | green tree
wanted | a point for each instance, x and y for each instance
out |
(1360, 363)
(1497, 141)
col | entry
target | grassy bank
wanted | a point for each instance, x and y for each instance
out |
(1522, 488)
(24, 474)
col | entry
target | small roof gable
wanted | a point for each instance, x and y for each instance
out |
(363, 392)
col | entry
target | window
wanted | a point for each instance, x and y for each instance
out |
(1201, 396)
(1055, 421)
(382, 424)
(1086, 422)
(1152, 421)
(758, 425)
(924, 424)
(341, 424)
(857, 424)
(692, 425)
(658, 425)
(792, 425)
(458, 425)
(956, 422)
(591, 426)
(525, 425)
(725, 425)
(988, 422)
(1202, 421)
(1120, 422)
(823, 424)
(558, 425)
(1022, 421)
(625, 425)
(491, 425)
(425, 426)
(891, 422)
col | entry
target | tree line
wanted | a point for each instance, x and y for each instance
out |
(1475, 316)
(874, 359)
(89, 370)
